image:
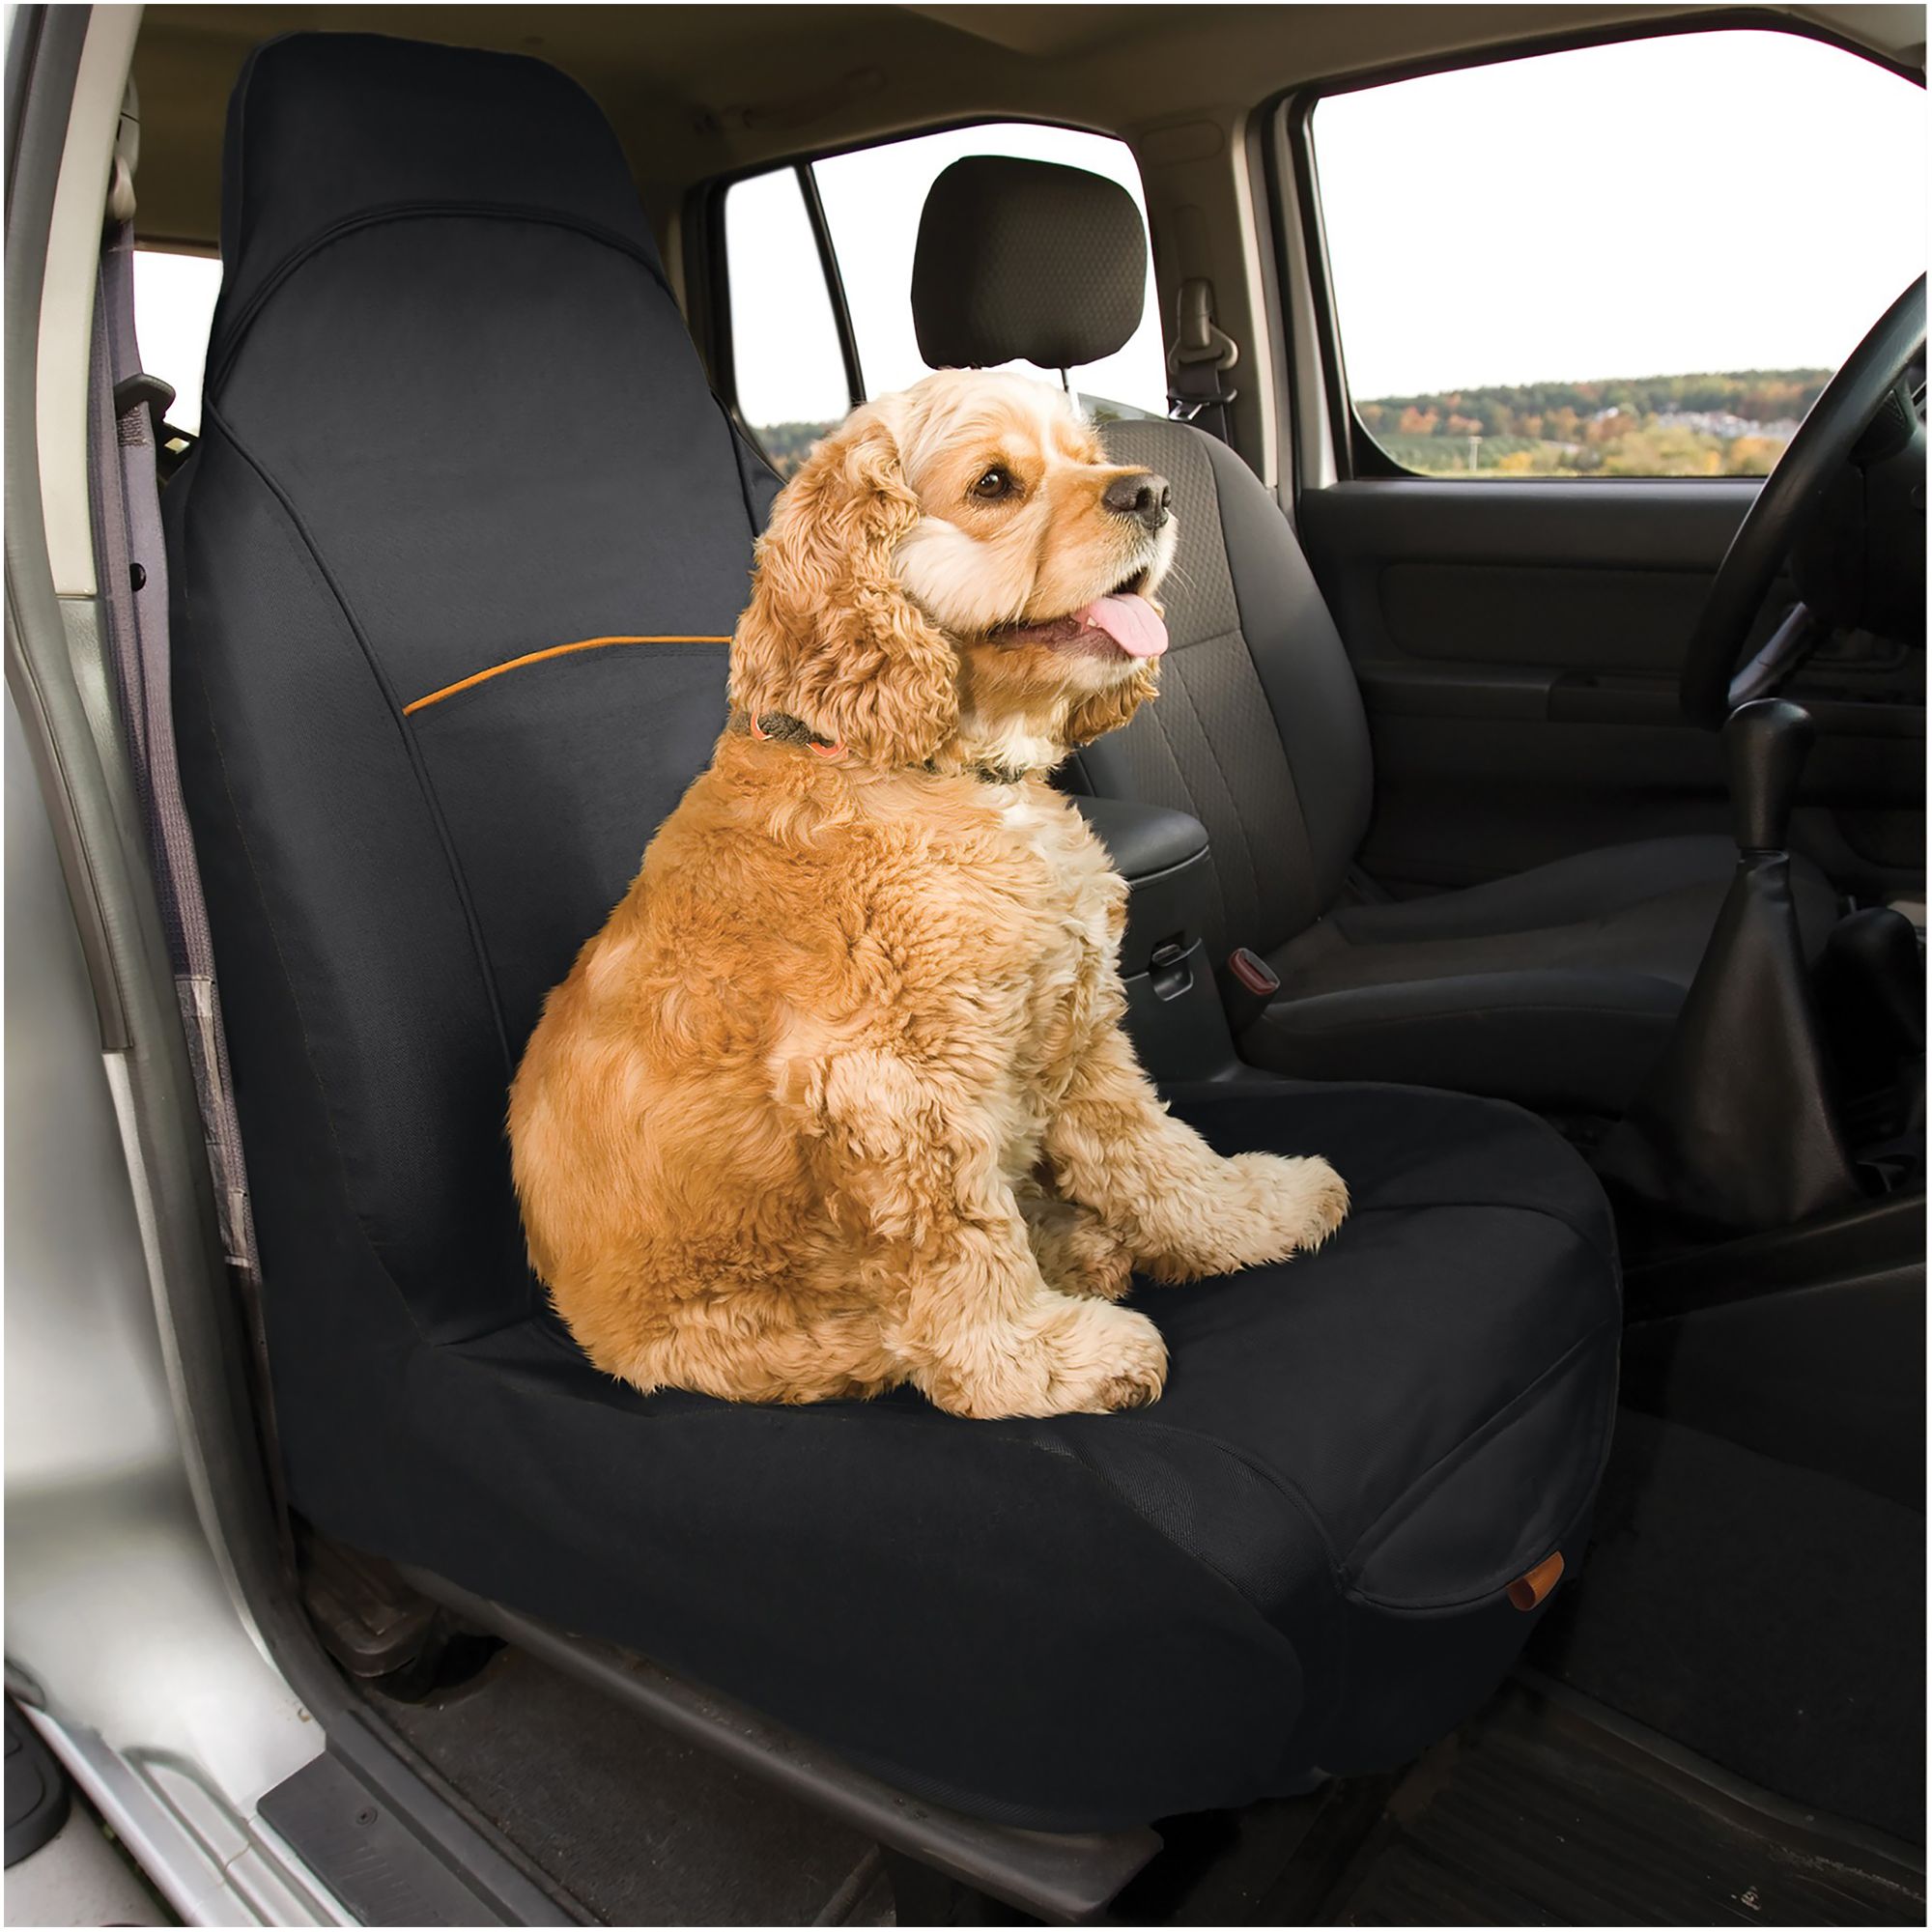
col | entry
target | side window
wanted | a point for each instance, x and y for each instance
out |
(174, 309)
(1644, 259)
(785, 360)
(873, 199)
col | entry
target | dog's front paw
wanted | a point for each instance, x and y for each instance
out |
(1072, 1357)
(1265, 1207)
(1100, 1357)
(1300, 1201)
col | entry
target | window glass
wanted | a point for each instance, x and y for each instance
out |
(1635, 260)
(174, 308)
(789, 371)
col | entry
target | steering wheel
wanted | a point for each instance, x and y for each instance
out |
(1792, 497)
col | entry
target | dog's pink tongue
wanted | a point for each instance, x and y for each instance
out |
(1132, 622)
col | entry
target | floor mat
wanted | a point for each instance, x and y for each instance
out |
(641, 1829)
(1534, 1816)
(1764, 1616)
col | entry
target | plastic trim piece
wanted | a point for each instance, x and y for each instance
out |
(1068, 1878)
(214, 1868)
(371, 1859)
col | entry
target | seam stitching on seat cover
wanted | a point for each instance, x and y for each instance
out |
(1585, 1235)
(1285, 1487)
(1261, 685)
(1240, 824)
(411, 749)
(418, 210)
(1329, 1028)
(1227, 790)
(288, 981)
(1187, 792)
(307, 553)
(1452, 1460)
(1194, 1555)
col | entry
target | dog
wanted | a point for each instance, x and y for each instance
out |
(839, 1097)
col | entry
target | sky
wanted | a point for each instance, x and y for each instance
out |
(1701, 201)
(1717, 201)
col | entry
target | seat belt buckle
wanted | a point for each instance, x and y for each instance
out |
(1252, 985)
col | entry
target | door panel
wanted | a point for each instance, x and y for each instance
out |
(1517, 646)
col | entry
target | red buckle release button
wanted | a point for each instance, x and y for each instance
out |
(1254, 971)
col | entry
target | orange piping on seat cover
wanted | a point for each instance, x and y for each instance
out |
(537, 657)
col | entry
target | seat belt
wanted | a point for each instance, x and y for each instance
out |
(126, 405)
(1197, 365)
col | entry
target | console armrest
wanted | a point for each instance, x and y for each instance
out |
(1163, 857)
(1143, 840)
(1173, 1009)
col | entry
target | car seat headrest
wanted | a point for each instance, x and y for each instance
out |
(328, 132)
(1026, 261)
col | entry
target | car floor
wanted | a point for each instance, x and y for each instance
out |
(1767, 1617)
(632, 1823)
(1722, 1719)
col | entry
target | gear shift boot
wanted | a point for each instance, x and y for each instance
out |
(1735, 1130)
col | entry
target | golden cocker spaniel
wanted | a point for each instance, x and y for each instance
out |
(839, 1097)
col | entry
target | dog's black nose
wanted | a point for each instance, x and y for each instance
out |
(1146, 497)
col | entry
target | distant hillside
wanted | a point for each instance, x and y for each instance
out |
(1731, 423)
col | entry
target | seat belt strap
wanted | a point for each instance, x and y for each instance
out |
(125, 419)
(1198, 390)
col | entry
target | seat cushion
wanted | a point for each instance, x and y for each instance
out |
(1555, 987)
(1296, 1560)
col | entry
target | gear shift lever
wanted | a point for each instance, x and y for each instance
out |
(1766, 744)
(1735, 1128)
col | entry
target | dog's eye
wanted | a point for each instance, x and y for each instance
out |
(996, 483)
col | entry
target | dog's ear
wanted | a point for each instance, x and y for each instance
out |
(1108, 710)
(830, 637)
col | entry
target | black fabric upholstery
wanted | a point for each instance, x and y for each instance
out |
(447, 440)
(1557, 987)
(1258, 728)
(1026, 262)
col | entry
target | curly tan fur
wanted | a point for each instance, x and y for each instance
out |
(838, 1098)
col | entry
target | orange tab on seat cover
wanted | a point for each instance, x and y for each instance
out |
(1527, 1591)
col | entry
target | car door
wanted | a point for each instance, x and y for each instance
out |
(1571, 304)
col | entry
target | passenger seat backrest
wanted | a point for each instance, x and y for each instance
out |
(456, 441)
(1259, 730)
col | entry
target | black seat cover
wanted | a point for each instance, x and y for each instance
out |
(1557, 987)
(454, 422)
